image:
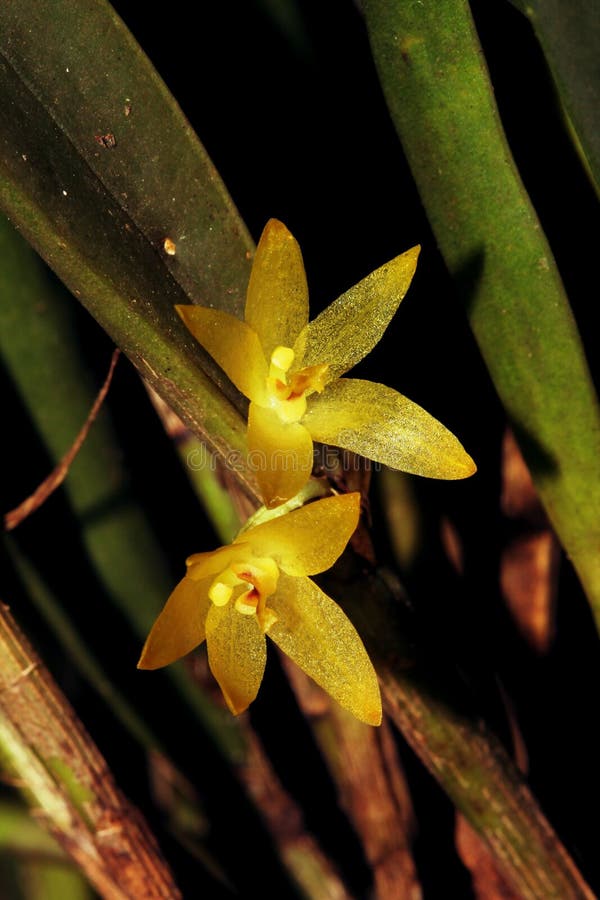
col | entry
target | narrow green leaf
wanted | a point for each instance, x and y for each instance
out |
(441, 101)
(569, 34)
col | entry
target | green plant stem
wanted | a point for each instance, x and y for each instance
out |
(438, 91)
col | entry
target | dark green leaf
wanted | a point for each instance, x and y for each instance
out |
(98, 167)
(442, 104)
(569, 33)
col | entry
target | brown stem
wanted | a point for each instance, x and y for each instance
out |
(67, 782)
(429, 704)
(299, 851)
(378, 806)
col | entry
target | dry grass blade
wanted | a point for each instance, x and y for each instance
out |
(56, 477)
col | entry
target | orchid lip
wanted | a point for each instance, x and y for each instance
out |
(247, 583)
(287, 393)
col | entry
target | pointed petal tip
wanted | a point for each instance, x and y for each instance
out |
(154, 656)
(236, 705)
(457, 470)
(236, 709)
(275, 225)
(182, 308)
(409, 256)
(464, 468)
(472, 467)
(146, 662)
(374, 717)
(368, 708)
(184, 311)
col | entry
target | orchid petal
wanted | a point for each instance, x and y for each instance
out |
(377, 422)
(237, 654)
(232, 344)
(308, 540)
(180, 626)
(350, 327)
(280, 453)
(201, 565)
(313, 631)
(277, 298)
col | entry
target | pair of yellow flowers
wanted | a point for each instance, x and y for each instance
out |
(290, 369)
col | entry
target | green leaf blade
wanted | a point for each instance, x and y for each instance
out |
(569, 35)
(438, 92)
(100, 214)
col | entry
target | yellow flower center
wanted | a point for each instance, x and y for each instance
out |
(249, 582)
(287, 393)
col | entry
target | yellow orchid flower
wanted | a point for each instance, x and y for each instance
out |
(290, 368)
(258, 585)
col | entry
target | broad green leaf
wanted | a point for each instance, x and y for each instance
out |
(440, 98)
(98, 167)
(569, 34)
